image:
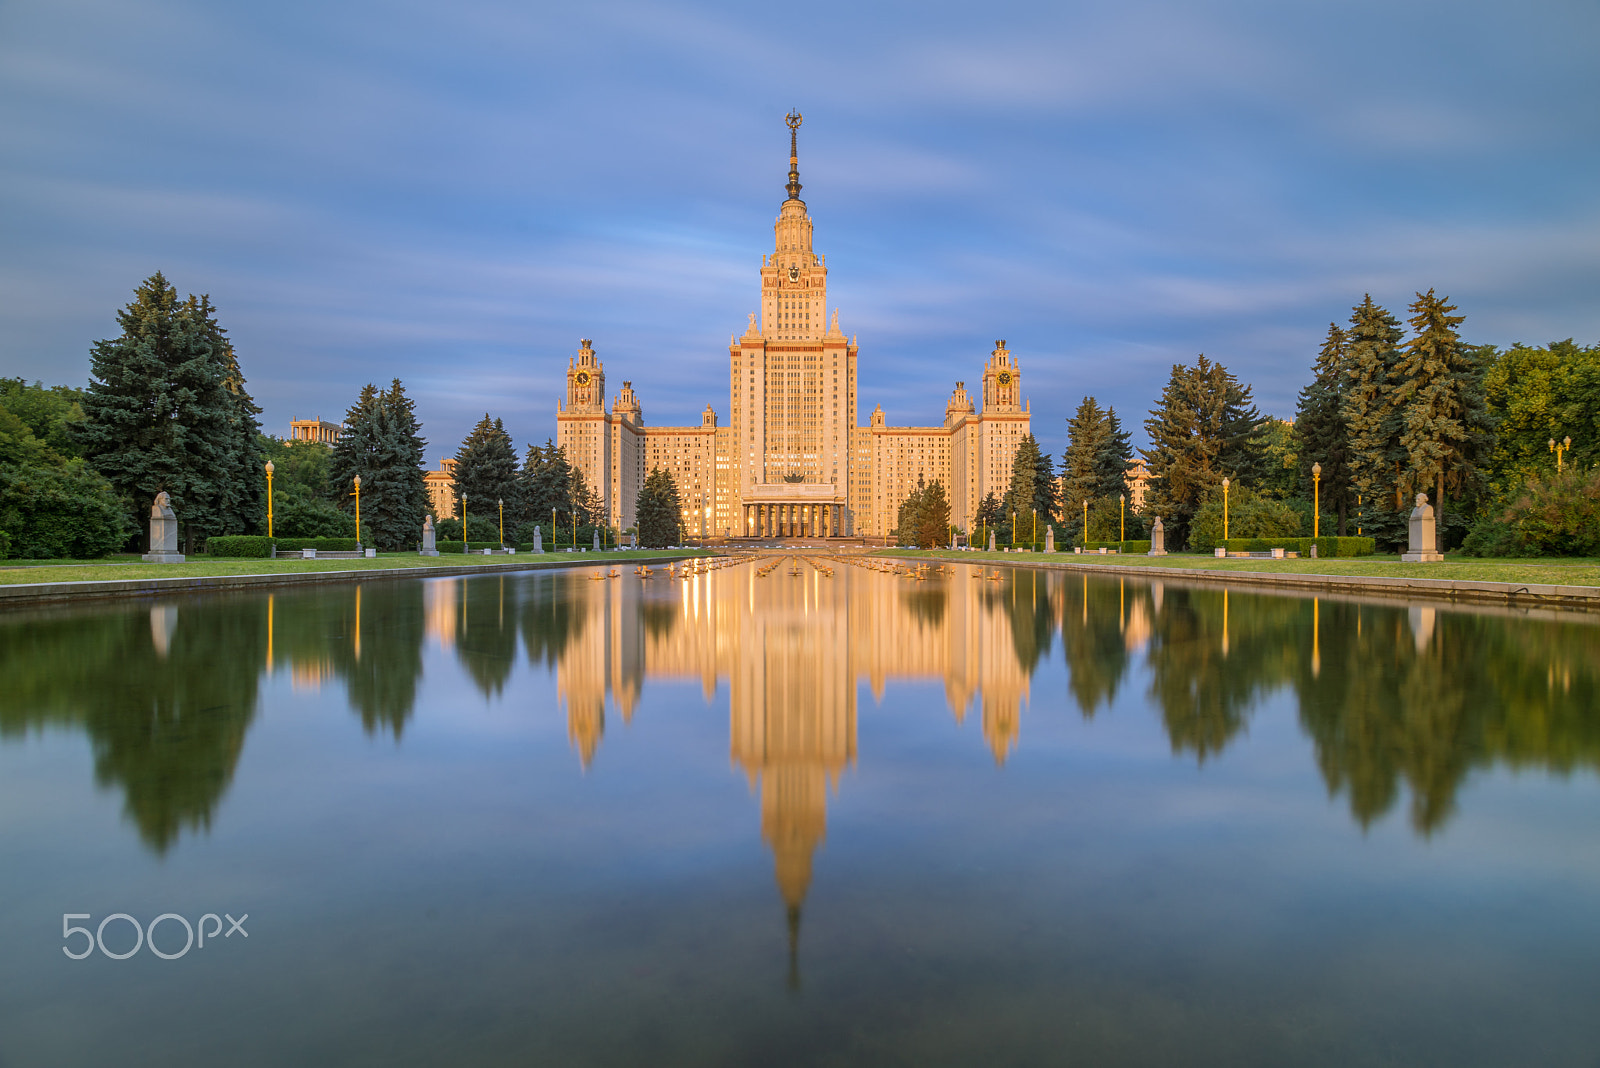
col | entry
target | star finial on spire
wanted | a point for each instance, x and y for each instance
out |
(794, 119)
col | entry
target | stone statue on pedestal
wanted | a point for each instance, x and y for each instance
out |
(597, 539)
(163, 533)
(991, 541)
(1423, 544)
(1049, 539)
(429, 546)
(538, 539)
(1158, 539)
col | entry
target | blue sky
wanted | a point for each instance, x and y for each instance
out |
(456, 193)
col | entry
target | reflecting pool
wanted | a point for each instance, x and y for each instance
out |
(798, 811)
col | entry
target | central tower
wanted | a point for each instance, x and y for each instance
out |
(792, 379)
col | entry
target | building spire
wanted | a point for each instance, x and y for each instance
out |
(794, 120)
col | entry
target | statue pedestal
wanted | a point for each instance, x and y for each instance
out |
(163, 533)
(429, 545)
(1423, 547)
(1158, 539)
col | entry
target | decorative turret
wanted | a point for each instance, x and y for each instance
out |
(626, 405)
(959, 407)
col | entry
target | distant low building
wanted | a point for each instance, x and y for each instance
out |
(1138, 481)
(442, 489)
(314, 430)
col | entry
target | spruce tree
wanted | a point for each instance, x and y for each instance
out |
(1046, 497)
(166, 409)
(356, 451)
(908, 518)
(658, 510)
(546, 480)
(1321, 431)
(1087, 439)
(486, 473)
(1111, 460)
(990, 515)
(933, 519)
(1204, 430)
(408, 449)
(1024, 494)
(1372, 414)
(1444, 423)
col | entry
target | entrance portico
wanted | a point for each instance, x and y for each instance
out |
(793, 510)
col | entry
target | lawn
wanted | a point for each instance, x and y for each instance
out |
(131, 567)
(1561, 571)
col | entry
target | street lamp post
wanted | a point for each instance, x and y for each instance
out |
(466, 545)
(357, 496)
(1224, 509)
(1316, 501)
(501, 504)
(1123, 523)
(269, 498)
(1559, 448)
(1085, 537)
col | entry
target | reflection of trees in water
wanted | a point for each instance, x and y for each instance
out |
(1094, 637)
(1425, 701)
(369, 636)
(1393, 697)
(164, 693)
(1025, 599)
(926, 603)
(486, 630)
(1213, 655)
(551, 616)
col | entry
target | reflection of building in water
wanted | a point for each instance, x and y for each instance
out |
(793, 649)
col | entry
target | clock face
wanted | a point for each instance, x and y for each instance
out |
(1004, 378)
(794, 274)
(583, 378)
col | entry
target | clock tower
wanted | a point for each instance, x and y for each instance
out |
(586, 381)
(1002, 382)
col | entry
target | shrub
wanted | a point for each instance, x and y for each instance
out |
(1559, 516)
(1326, 547)
(244, 545)
(59, 512)
(455, 546)
(330, 544)
(297, 514)
(1493, 536)
(1249, 516)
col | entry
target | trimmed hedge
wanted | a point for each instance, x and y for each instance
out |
(1120, 546)
(476, 546)
(250, 545)
(345, 545)
(1326, 547)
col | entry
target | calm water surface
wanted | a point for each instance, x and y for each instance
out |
(997, 818)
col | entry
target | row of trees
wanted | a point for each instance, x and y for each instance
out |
(1385, 416)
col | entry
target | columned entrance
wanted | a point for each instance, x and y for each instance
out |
(792, 519)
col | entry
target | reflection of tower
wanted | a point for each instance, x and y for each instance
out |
(793, 648)
(792, 712)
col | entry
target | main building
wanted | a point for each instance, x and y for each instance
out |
(793, 461)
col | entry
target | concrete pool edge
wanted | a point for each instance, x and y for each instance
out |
(1467, 591)
(35, 593)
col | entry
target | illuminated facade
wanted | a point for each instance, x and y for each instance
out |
(792, 461)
